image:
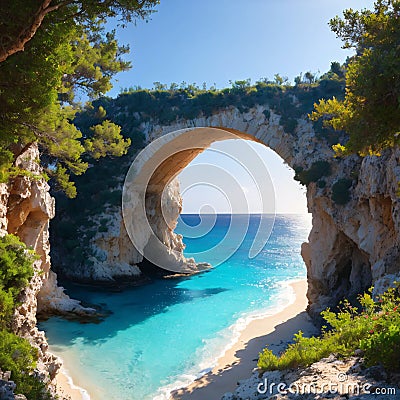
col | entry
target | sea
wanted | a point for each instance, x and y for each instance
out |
(166, 333)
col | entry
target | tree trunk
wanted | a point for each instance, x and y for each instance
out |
(18, 43)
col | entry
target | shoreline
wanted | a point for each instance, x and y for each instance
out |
(238, 361)
(66, 388)
(229, 366)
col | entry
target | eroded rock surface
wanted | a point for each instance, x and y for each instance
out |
(329, 378)
(355, 245)
(25, 210)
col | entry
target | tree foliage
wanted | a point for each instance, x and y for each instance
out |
(69, 53)
(19, 357)
(370, 112)
(21, 19)
(317, 170)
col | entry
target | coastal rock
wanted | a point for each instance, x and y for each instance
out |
(329, 378)
(351, 246)
(53, 300)
(114, 257)
(7, 386)
(25, 210)
(354, 245)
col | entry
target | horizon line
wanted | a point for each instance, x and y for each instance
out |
(259, 213)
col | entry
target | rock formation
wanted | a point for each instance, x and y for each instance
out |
(355, 245)
(329, 378)
(25, 210)
(351, 245)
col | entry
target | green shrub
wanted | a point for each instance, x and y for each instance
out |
(289, 125)
(15, 264)
(317, 171)
(341, 191)
(66, 230)
(374, 328)
(7, 306)
(15, 273)
(16, 354)
(103, 228)
(19, 357)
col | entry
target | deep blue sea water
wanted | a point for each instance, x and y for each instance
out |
(166, 333)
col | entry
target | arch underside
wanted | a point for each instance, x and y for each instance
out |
(148, 197)
(174, 155)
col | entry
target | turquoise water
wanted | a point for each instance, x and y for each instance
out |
(166, 333)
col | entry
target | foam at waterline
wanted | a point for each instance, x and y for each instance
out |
(215, 348)
(83, 392)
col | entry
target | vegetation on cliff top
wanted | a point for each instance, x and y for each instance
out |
(16, 354)
(370, 111)
(374, 328)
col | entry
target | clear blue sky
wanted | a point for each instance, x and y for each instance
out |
(215, 41)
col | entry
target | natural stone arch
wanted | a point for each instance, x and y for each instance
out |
(114, 257)
(334, 225)
(158, 164)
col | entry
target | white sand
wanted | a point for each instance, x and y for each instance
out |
(67, 390)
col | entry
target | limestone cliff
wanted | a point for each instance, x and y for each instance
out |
(25, 210)
(115, 255)
(353, 243)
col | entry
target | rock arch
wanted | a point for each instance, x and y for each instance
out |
(149, 227)
(342, 244)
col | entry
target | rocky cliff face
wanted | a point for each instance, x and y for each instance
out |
(115, 257)
(353, 243)
(25, 210)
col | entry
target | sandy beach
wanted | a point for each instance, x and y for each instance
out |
(66, 390)
(238, 362)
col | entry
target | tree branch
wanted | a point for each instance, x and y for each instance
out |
(18, 44)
